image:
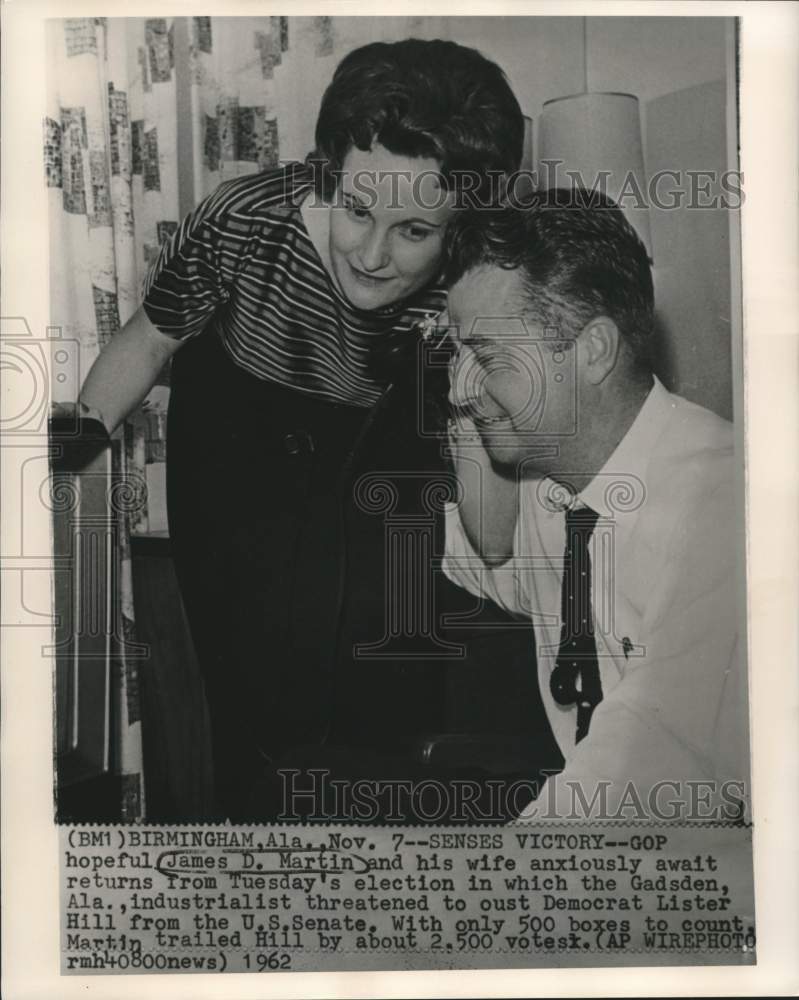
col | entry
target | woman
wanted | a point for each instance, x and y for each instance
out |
(292, 289)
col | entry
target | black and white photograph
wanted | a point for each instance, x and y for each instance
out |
(384, 410)
(297, 597)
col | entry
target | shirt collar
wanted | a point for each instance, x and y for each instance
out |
(620, 484)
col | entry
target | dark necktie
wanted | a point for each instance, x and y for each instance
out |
(575, 678)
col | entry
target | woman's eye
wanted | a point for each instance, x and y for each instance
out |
(356, 211)
(416, 233)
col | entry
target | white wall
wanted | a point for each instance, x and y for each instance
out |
(646, 56)
(652, 56)
(691, 248)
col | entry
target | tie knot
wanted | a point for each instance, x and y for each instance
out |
(581, 520)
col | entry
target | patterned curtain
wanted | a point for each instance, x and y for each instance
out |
(123, 162)
(256, 84)
(110, 99)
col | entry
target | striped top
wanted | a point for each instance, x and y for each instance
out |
(243, 262)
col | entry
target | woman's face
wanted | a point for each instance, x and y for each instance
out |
(387, 226)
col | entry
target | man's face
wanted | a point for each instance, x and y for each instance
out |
(516, 380)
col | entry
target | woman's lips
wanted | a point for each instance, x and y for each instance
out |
(370, 280)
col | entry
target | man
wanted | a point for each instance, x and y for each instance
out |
(599, 504)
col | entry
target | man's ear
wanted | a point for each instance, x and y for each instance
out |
(600, 343)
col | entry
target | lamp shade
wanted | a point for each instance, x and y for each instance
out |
(527, 152)
(597, 136)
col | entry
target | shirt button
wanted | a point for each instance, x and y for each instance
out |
(292, 444)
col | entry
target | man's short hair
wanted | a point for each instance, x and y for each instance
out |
(580, 259)
(420, 98)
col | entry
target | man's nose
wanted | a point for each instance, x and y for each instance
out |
(373, 251)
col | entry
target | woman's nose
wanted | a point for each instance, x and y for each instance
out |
(373, 251)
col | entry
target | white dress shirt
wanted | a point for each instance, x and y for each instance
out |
(667, 594)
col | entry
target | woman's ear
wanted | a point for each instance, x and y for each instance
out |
(600, 343)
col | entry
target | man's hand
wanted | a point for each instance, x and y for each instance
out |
(489, 496)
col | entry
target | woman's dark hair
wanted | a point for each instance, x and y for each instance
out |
(420, 98)
(579, 257)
